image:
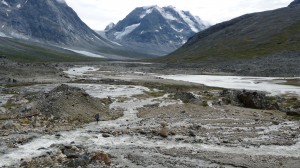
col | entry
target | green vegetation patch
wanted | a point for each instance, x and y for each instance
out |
(293, 82)
(20, 51)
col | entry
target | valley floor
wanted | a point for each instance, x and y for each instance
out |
(146, 121)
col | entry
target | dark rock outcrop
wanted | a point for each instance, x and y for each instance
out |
(185, 97)
(248, 99)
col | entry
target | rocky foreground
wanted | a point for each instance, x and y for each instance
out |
(47, 120)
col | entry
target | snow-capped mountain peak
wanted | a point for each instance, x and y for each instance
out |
(61, 1)
(110, 26)
(50, 22)
(5, 3)
(162, 27)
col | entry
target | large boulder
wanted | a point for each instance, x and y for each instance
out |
(101, 157)
(9, 125)
(248, 99)
(185, 97)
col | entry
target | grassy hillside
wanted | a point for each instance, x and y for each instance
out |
(249, 36)
(25, 51)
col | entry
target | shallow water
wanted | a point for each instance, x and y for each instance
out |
(272, 85)
(84, 136)
(79, 71)
(4, 98)
(90, 137)
(104, 90)
(96, 90)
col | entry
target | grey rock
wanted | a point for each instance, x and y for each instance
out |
(9, 125)
(185, 97)
(164, 124)
(164, 132)
(105, 135)
(192, 133)
(248, 99)
(2, 109)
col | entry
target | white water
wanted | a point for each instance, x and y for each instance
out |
(104, 90)
(84, 136)
(4, 98)
(79, 71)
(273, 86)
(96, 90)
(89, 135)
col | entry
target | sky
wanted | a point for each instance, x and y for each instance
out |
(99, 13)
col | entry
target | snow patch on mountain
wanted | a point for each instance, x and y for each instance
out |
(165, 14)
(86, 53)
(178, 30)
(110, 26)
(148, 7)
(19, 36)
(3, 35)
(5, 3)
(61, 1)
(185, 16)
(148, 11)
(187, 20)
(116, 43)
(126, 31)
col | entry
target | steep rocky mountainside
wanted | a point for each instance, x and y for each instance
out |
(155, 30)
(47, 20)
(295, 3)
(52, 22)
(251, 36)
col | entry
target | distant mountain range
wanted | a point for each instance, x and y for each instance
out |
(49, 30)
(275, 32)
(155, 30)
(54, 23)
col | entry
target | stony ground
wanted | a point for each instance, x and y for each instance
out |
(145, 121)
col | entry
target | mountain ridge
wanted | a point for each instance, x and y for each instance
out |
(53, 22)
(155, 30)
(295, 3)
(248, 36)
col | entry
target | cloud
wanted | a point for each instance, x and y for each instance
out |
(99, 13)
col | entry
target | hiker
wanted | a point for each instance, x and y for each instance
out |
(97, 117)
